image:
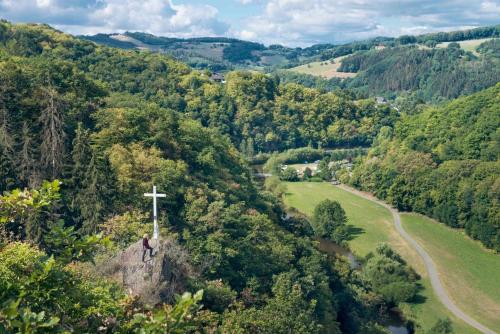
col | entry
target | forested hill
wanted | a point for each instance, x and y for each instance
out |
(444, 163)
(213, 53)
(221, 54)
(254, 110)
(108, 124)
(431, 73)
(429, 67)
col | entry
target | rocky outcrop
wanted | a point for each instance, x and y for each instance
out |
(156, 279)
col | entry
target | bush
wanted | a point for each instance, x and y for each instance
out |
(389, 276)
(35, 283)
(442, 326)
(289, 174)
(126, 228)
(218, 296)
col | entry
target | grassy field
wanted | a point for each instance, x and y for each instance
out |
(468, 45)
(372, 220)
(471, 274)
(326, 69)
(374, 225)
(301, 167)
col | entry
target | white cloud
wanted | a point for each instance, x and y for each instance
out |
(298, 22)
(289, 22)
(161, 17)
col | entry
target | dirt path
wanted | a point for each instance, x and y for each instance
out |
(439, 290)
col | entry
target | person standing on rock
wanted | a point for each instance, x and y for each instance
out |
(146, 247)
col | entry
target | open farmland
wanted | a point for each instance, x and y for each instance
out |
(327, 69)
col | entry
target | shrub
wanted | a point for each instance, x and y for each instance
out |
(289, 174)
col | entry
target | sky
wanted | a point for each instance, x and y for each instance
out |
(286, 22)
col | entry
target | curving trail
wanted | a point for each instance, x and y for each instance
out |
(429, 264)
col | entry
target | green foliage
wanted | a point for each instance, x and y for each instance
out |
(285, 312)
(17, 205)
(125, 229)
(68, 245)
(329, 221)
(443, 163)
(241, 51)
(389, 276)
(36, 285)
(218, 296)
(426, 71)
(22, 320)
(442, 326)
(289, 174)
(176, 319)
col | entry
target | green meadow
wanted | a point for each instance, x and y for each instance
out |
(327, 69)
(470, 273)
(467, 45)
(372, 224)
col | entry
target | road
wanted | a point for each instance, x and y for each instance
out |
(439, 290)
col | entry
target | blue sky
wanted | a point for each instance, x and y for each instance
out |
(288, 22)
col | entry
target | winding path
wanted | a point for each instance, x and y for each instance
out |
(429, 265)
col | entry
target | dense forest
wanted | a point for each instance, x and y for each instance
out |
(433, 74)
(428, 74)
(85, 130)
(444, 163)
(254, 110)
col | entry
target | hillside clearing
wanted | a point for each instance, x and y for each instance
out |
(327, 69)
(467, 45)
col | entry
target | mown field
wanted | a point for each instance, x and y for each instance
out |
(372, 224)
(471, 274)
(327, 69)
(468, 45)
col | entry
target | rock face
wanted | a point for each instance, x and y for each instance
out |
(156, 279)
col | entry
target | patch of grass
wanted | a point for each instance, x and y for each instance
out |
(467, 45)
(326, 69)
(429, 310)
(470, 273)
(375, 225)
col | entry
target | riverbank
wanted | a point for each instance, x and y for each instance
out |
(373, 225)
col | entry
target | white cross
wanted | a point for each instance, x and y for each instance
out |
(155, 218)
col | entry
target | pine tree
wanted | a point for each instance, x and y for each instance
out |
(250, 149)
(81, 156)
(243, 147)
(27, 166)
(7, 174)
(97, 196)
(89, 199)
(53, 135)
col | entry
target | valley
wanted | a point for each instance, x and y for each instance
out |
(262, 159)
